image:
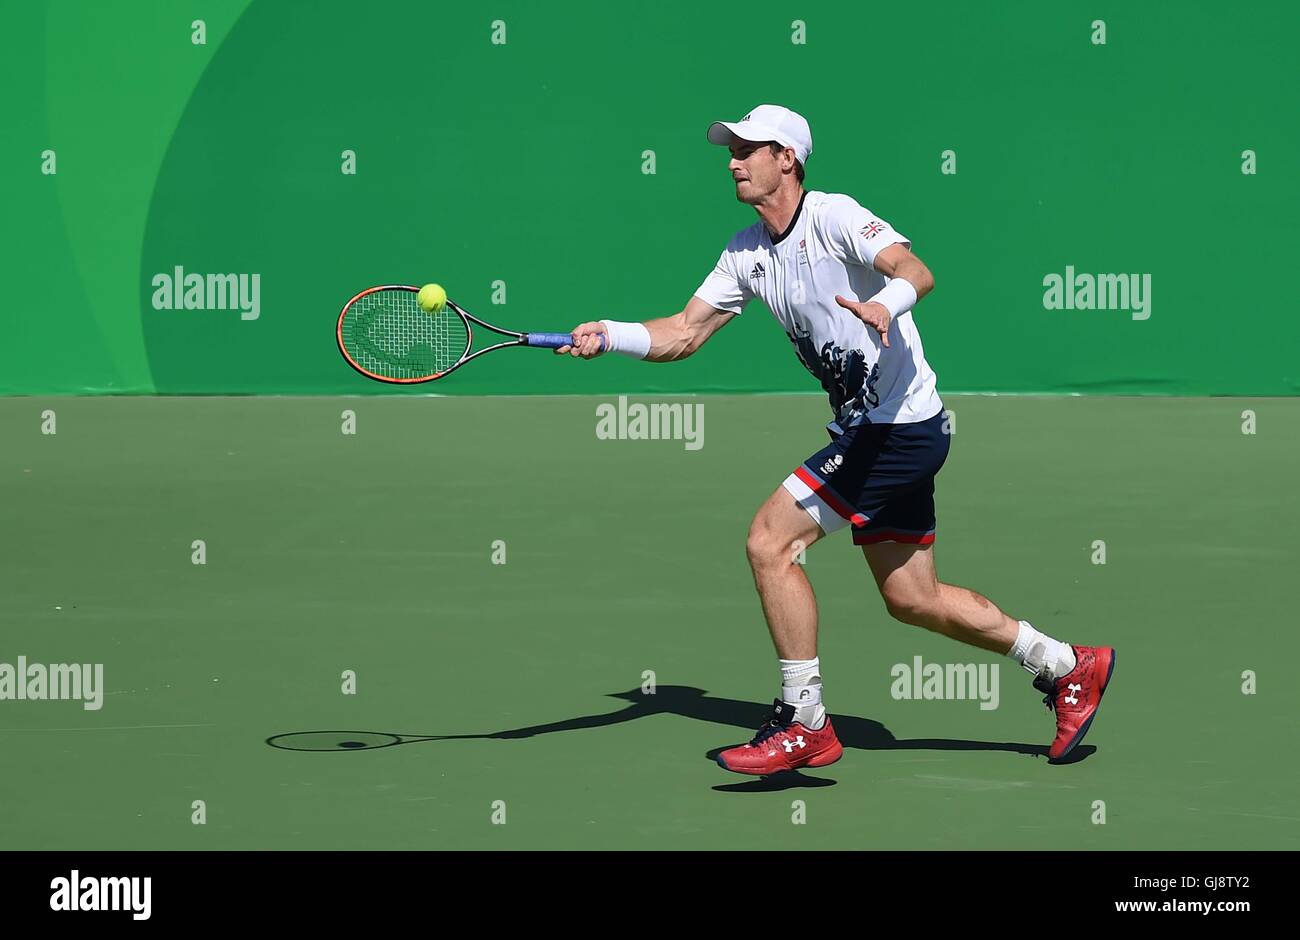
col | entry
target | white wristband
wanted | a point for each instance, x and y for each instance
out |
(898, 297)
(630, 339)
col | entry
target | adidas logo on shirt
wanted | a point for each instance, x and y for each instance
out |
(757, 272)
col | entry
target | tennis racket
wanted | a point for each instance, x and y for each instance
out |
(385, 335)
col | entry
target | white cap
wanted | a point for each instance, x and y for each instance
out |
(764, 123)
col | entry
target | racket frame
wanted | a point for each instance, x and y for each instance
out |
(517, 339)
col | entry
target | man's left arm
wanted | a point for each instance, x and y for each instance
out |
(910, 280)
(859, 236)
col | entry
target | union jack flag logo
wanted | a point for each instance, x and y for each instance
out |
(872, 229)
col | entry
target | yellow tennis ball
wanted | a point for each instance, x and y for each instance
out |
(432, 298)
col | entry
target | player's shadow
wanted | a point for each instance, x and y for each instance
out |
(698, 705)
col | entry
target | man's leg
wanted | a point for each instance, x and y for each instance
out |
(798, 733)
(913, 594)
(779, 532)
(1074, 677)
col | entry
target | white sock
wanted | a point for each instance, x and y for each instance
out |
(1039, 653)
(801, 687)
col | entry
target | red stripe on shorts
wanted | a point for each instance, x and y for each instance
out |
(829, 497)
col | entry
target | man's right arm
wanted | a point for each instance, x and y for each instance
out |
(671, 338)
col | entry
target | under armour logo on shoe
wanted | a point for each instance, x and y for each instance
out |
(790, 745)
(1072, 698)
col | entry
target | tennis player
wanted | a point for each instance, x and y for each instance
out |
(842, 283)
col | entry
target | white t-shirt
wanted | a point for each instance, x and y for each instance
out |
(829, 249)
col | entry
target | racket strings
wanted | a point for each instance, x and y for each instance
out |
(387, 333)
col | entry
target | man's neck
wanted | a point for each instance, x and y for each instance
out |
(777, 213)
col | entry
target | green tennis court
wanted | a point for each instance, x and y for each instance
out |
(376, 552)
(310, 610)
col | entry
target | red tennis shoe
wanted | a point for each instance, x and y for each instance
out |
(783, 744)
(1076, 697)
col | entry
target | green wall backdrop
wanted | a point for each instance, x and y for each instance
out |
(522, 162)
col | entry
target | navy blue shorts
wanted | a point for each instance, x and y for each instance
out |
(879, 478)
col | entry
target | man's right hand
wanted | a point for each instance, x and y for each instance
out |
(586, 343)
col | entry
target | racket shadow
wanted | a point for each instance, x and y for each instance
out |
(685, 701)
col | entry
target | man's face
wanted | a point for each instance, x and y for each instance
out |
(756, 170)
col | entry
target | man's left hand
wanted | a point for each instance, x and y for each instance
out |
(872, 314)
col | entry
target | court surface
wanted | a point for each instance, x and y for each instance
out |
(373, 552)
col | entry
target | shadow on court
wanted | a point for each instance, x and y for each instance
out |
(688, 702)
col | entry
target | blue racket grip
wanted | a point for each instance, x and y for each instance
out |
(555, 340)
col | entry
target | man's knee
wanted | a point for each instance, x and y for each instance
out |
(767, 547)
(761, 546)
(910, 603)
